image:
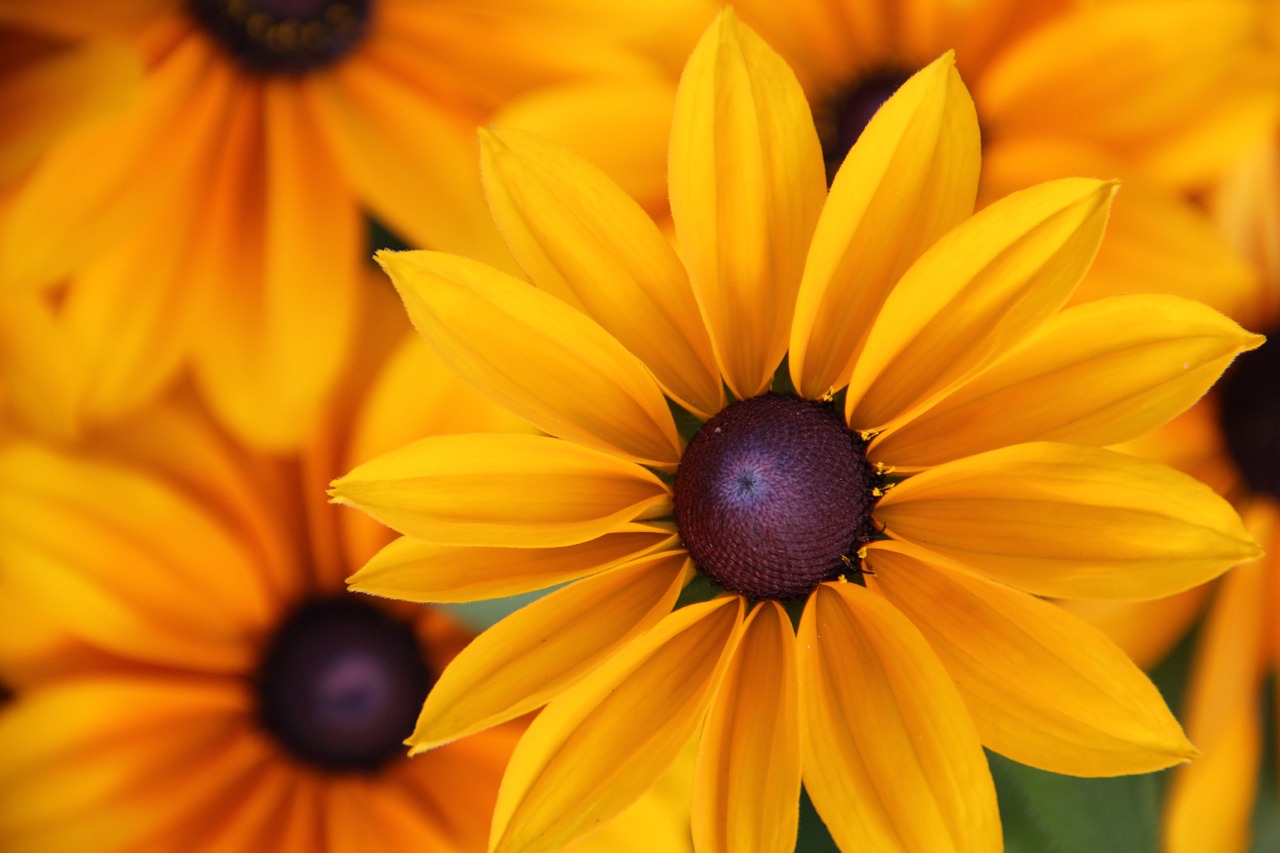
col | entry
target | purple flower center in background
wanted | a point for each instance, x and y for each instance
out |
(773, 496)
(284, 37)
(341, 684)
(1249, 408)
(841, 117)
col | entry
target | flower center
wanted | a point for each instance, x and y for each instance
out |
(773, 496)
(284, 37)
(1249, 407)
(843, 115)
(341, 684)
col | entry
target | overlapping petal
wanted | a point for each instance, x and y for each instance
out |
(523, 661)
(1096, 374)
(410, 569)
(497, 490)
(535, 355)
(598, 746)
(891, 757)
(1071, 522)
(747, 780)
(978, 290)
(911, 177)
(746, 183)
(570, 228)
(1089, 711)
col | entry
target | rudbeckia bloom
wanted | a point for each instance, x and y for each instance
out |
(1159, 94)
(1231, 440)
(922, 466)
(189, 670)
(216, 224)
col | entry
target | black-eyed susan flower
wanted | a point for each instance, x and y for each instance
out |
(1159, 94)
(189, 671)
(216, 223)
(1231, 440)
(924, 463)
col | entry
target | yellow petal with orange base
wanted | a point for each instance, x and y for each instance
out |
(746, 180)
(489, 489)
(911, 177)
(1088, 712)
(535, 355)
(600, 745)
(1072, 522)
(891, 757)
(1096, 374)
(747, 783)
(979, 290)
(572, 231)
(526, 659)
(410, 569)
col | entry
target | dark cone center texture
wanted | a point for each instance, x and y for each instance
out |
(843, 115)
(1249, 398)
(284, 37)
(773, 496)
(341, 684)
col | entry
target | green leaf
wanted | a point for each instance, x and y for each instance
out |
(1046, 812)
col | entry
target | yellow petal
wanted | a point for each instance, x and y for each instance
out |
(1099, 373)
(747, 185)
(910, 178)
(1146, 630)
(535, 355)
(1211, 800)
(280, 223)
(1089, 711)
(525, 660)
(501, 490)
(577, 236)
(747, 783)
(601, 744)
(1071, 522)
(978, 290)
(891, 757)
(412, 570)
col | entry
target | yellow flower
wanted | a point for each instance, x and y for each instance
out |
(1229, 441)
(1159, 93)
(935, 468)
(216, 223)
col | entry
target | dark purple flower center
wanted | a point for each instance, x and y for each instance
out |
(284, 37)
(842, 116)
(773, 496)
(341, 684)
(1249, 400)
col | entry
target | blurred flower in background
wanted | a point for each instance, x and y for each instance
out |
(216, 222)
(188, 669)
(974, 409)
